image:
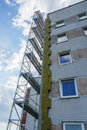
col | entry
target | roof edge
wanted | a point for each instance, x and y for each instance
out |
(67, 7)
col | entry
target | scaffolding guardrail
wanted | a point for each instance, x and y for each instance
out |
(34, 61)
(28, 108)
(36, 47)
(32, 81)
(38, 35)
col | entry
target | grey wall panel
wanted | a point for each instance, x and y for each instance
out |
(75, 69)
(68, 12)
(72, 44)
(68, 109)
(66, 28)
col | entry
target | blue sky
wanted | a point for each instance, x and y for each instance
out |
(15, 19)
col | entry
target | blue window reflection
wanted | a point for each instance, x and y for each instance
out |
(64, 58)
(68, 88)
(73, 127)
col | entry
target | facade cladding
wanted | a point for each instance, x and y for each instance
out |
(69, 68)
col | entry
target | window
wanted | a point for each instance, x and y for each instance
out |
(82, 16)
(85, 30)
(60, 23)
(73, 126)
(68, 88)
(62, 37)
(65, 57)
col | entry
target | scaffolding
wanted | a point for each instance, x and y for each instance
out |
(25, 107)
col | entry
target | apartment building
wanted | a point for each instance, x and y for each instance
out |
(68, 92)
(51, 91)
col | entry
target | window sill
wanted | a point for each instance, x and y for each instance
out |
(59, 26)
(85, 34)
(65, 63)
(69, 97)
(62, 41)
(82, 19)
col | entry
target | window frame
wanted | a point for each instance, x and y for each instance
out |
(82, 16)
(59, 23)
(61, 89)
(62, 35)
(64, 52)
(72, 123)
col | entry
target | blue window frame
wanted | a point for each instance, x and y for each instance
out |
(68, 88)
(64, 57)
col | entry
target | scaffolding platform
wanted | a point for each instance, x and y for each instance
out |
(34, 61)
(27, 108)
(36, 47)
(40, 19)
(32, 81)
(38, 35)
(39, 26)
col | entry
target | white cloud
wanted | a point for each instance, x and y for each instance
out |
(13, 63)
(0, 98)
(8, 2)
(26, 9)
(11, 82)
(8, 88)
(3, 56)
(20, 1)
(6, 96)
(9, 13)
(19, 22)
(3, 125)
(23, 17)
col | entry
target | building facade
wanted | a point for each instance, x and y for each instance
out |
(68, 67)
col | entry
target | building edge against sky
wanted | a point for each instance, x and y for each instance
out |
(63, 91)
